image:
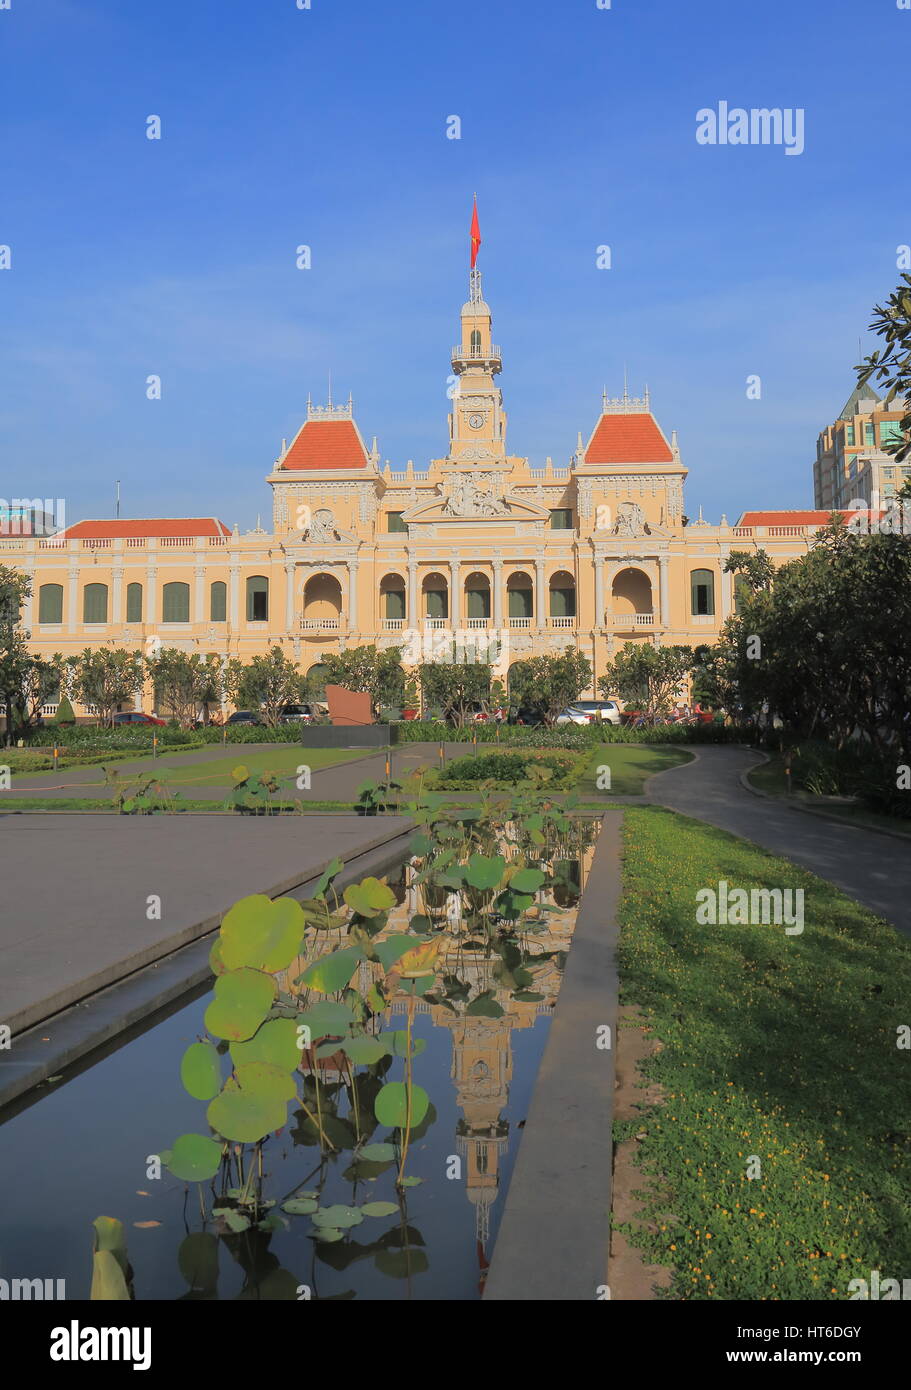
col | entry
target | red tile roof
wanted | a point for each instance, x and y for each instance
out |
(326, 444)
(787, 518)
(147, 526)
(628, 439)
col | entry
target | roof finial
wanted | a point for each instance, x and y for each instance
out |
(329, 402)
(625, 383)
(603, 399)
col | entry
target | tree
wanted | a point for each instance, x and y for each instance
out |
(650, 677)
(454, 684)
(105, 678)
(755, 566)
(266, 684)
(549, 683)
(64, 713)
(184, 682)
(377, 672)
(891, 366)
(27, 681)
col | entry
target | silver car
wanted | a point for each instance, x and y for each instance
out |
(590, 712)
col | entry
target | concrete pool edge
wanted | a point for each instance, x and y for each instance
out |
(554, 1237)
(98, 1015)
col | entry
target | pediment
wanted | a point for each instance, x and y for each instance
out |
(474, 498)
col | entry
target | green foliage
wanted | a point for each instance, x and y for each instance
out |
(649, 678)
(550, 683)
(890, 366)
(64, 714)
(508, 769)
(105, 678)
(265, 683)
(770, 1046)
(376, 672)
(455, 684)
(185, 682)
(252, 793)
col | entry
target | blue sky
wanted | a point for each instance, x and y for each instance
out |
(327, 127)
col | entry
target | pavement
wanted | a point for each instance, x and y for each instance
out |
(88, 901)
(872, 868)
(335, 783)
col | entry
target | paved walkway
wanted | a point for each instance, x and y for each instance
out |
(77, 890)
(336, 783)
(875, 869)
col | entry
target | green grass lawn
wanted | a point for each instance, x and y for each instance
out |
(782, 1047)
(630, 764)
(770, 778)
(279, 759)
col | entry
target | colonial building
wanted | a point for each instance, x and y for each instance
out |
(479, 546)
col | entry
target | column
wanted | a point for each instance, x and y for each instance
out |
(234, 597)
(28, 602)
(412, 616)
(498, 594)
(117, 596)
(663, 591)
(151, 604)
(289, 597)
(727, 581)
(199, 595)
(454, 594)
(72, 602)
(599, 591)
(352, 595)
(540, 594)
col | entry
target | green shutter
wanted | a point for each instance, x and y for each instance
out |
(218, 602)
(702, 593)
(50, 603)
(95, 603)
(395, 603)
(134, 603)
(175, 607)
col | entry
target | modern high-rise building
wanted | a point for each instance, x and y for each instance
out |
(852, 465)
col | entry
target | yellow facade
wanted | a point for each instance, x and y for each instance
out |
(480, 547)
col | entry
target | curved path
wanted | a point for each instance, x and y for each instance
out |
(875, 869)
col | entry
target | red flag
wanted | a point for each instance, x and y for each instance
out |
(475, 234)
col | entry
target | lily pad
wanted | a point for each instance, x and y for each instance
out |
(391, 1104)
(337, 1217)
(333, 972)
(261, 933)
(379, 1208)
(242, 1000)
(200, 1071)
(369, 897)
(194, 1158)
(275, 1042)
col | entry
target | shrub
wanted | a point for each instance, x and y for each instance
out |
(64, 715)
(510, 768)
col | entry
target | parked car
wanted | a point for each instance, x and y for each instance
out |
(299, 714)
(134, 716)
(244, 716)
(590, 712)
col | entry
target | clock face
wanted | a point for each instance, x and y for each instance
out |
(475, 421)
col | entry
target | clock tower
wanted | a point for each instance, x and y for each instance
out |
(477, 425)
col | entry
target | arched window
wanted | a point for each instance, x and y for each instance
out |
(95, 603)
(134, 603)
(702, 593)
(175, 603)
(477, 596)
(520, 595)
(476, 342)
(316, 681)
(50, 603)
(562, 595)
(257, 599)
(392, 595)
(218, 602)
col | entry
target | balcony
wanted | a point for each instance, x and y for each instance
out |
(394, 624)
(520, 624)
(630, 620)
(481, 624)
(566, 622)
(470, 355)
(317, 625)
(436, 624)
